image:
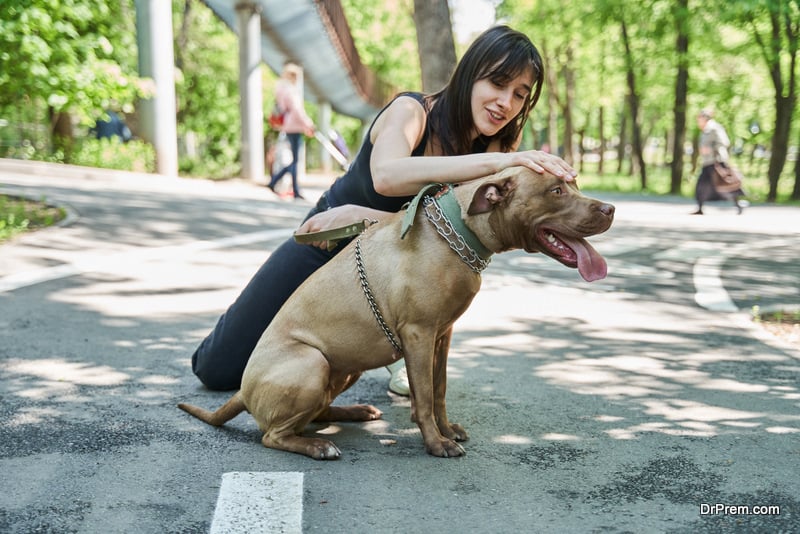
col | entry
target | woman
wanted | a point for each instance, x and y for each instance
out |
(469, 129)
(714, 144)
(295, 122)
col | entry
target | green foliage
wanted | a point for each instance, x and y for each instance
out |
(72, 55)
(211, 168)
(135, 155)
(727, 67)
(19, 215)
(80, 57)
(207, 90)
(386, 39)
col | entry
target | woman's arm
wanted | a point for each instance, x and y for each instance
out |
(395, 173)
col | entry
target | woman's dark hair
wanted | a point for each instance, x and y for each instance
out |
(499, 54)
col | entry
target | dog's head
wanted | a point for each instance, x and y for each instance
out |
(542, 213)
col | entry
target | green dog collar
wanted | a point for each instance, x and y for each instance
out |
(451, 209)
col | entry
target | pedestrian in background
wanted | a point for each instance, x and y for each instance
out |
(714, 144)
(295, 122)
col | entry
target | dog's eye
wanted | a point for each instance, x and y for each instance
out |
(557, 190)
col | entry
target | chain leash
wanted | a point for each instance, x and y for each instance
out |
(362, 276)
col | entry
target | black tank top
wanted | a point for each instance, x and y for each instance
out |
(356, 187)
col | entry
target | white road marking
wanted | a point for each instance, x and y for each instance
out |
(709, 291)
(266, 503)
(107, 263)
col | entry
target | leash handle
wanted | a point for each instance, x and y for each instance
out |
(334, 235)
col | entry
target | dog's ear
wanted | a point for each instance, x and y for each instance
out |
(490, 194)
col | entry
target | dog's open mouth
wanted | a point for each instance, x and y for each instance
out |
(573, 252)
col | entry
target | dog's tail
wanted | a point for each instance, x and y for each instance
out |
(224, 413)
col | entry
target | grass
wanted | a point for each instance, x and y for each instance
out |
(776, 316)
(19, 215)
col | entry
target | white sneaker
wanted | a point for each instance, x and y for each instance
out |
(399, 382)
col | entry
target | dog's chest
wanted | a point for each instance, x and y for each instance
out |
(420, 271)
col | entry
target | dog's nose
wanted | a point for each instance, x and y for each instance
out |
(606, 209)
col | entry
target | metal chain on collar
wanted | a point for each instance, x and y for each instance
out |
(445, 229)
(362, 276)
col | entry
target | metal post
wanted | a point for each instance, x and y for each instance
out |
(251, 105)
(156, 60)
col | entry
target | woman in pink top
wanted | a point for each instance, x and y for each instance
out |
(295, 121)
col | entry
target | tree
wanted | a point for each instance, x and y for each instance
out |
(681, 16)
(73, 56)
(384, 36)
(207, 89)
(778, 41)
(633, 102)
(437, 51)
(561, 52)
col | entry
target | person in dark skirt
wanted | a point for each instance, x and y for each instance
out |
(714, 144)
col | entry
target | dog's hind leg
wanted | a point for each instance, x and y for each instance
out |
(286, 438)
(291, 395)
(356, 412)
(223, 414)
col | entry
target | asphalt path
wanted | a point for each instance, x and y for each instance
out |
(646, 402)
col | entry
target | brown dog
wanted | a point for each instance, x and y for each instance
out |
(383, 298)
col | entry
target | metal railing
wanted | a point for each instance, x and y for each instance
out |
(372, 89)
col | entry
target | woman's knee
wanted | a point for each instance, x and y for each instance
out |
(216, 375)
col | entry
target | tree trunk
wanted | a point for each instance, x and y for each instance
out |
(785, 95)
(437, 50)
(637, 158)
(566, 109)
(623, 139)
(182, 39)
(681, 92)
(61, 136)
(784, 107)
(553, 104)
(796, 189)
(601, 132)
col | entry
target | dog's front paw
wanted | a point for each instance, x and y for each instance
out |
(455, 432)
(445, 448)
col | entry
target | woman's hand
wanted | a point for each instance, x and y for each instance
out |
(539, 161)
(336, 218)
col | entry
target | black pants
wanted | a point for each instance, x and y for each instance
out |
(220, 359)
(294, 142)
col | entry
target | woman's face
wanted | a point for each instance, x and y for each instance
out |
(495, 105)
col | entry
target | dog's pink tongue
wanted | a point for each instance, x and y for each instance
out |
(591, 264)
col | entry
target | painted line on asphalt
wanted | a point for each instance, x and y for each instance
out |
(710, 293)
(108, 263)
(259, 502)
